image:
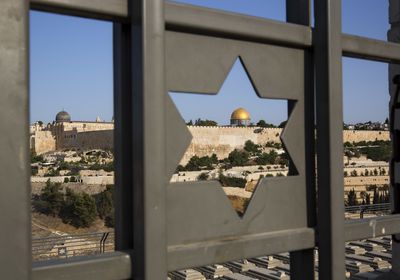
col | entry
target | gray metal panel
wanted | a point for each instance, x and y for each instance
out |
(201, 211)
(193, 19)
(196, 63)
(372, 227)
(100, 9)
(15, 232)
(302, 262)
(123, 137)
(179, 16)
(201, 64)
(177, 139)
(238, 247)
(148, 143)
(372, 49)
(329, 109)
(108, 266)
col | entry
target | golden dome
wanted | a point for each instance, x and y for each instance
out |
(240, 114)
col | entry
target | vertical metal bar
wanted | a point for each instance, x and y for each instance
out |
(329, 113)
(148, 90)
(394, 36)
(302, 262)
(15, 232)
(123, 137)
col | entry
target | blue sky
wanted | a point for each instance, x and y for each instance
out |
(71, 68)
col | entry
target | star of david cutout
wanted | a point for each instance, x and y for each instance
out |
(238, 155)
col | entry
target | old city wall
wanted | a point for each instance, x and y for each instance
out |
(223, 140)
(103, 139)
(365, 135)
(87, 126)
(42, 142)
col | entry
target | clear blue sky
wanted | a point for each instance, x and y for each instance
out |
(71, 68)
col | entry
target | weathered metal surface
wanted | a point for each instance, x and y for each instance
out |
(15, 258)
(372, 227)
(148, 142)
(329, 114)
(280, 59)
(108, 266)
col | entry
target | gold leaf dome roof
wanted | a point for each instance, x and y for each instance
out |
(240, 114)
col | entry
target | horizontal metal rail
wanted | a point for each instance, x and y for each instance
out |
(219, 251)
(361, 47)
(99, 9)
(108, 266)
(369, 208)
(181, 17)
(372, 227)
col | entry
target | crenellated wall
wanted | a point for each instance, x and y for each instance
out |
(222, 140)
(207, 140)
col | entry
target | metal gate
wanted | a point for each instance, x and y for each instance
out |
(163, 46)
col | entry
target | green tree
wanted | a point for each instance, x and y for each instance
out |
(368, 198)
(203, 176)
(351, 198)
(232, 181)
(50, 200)
(251, 148)
(267, 158)
(79, 209)
(238, 158)
(200, 122)
(282, 124)
(105, 202)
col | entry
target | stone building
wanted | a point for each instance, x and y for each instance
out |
(64, 133)
(240, 117)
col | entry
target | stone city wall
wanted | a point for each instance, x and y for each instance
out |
(42, 142)
(101, 139)
(223, 140)
(206, 140)
(365, 135)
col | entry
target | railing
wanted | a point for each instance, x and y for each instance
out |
(67, 246)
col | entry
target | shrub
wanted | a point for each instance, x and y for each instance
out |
(79, 209)
(203, 176)
(50, 200)
(105, 202)
(232, 181)
(238, 158)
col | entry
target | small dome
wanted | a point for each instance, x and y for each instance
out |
(240, 114)
(63, 117)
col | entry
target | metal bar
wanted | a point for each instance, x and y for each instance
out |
(302, 262)
(189, 18)
(180, 17)
(148, 145)
(123, 137)
(15, 232)
(107, 266)
(218, 251)
(366, 48)
(329, 109)
(99, 9)
(372, 227)
(394, 87)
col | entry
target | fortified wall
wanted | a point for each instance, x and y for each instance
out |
(221, 140)
(42, 142)
(206, 140)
